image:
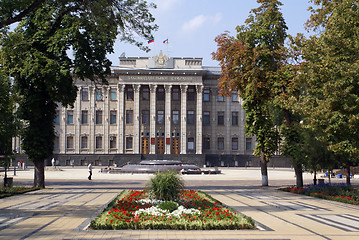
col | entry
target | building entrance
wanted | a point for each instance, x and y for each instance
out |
(175, 145)
(160, 145)
(145, 145)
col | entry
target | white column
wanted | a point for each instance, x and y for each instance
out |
(152, 117)
(213, 119)
(120, 125)
(106, 121)
(62, 143)
(199, 136)
(168, 103)
(92, 115)
(183, 119)
(77, 122)
(228, 125)
(136, 119)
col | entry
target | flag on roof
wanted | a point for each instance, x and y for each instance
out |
(151, 41)
(165, 41)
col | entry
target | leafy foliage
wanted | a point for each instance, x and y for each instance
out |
(166, 185)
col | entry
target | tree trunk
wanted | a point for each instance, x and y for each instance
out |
(315, 178)
(348, 175)
(39, 173)
(264, 171)
(299, 175)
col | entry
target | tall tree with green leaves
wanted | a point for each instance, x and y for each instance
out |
(250, 62)
(331, 72)
(36, 55)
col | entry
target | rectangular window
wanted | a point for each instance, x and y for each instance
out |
(220, 142)
(248, 143)
(129, 116)
(234, 143)
(175, 116)
(160, 116)
(99, 117)
(190, 117)
(160, 94)
(145, 93)
(145, 116)
(57, 118)
(85, 94)
(99, 142)
(70, 142)
(191, 94)
(112, 142)
(234, 118)
(206, 95)
(84, 117)
(175, 94)
(57, 143)
(220, 98)
(113, 116)
(234, 96)
(84, 142)
(70, 117)
(206, 118)
(113, 94)
(99, 95)
(129, 93)
(129, 142)
(190, 144)
(220, 118)
(206, 143)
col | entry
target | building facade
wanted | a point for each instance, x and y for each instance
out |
(154, 108)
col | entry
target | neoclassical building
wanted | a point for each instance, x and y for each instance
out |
(154, 108)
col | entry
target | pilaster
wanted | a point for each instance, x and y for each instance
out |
(120, 125)
(183, 119)
(152, 117)
(136, 119)
(199, 137)
(168, 103)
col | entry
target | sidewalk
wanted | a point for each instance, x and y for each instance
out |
(66, 206)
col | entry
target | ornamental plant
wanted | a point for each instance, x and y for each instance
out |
(165, 186)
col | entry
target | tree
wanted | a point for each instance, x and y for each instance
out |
(330, 72)
(250, 62)
(35, 54)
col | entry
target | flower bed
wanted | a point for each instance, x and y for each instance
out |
(340, 193)
(10, 191)
(192, 211)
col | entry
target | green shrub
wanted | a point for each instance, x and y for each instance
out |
(169, 205)
(165, 186)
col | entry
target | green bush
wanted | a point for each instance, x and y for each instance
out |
(169, 205)
(165, 186)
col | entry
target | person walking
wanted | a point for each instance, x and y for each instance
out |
(90, 171)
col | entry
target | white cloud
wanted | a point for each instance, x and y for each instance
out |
(200, 20)
(165, 5)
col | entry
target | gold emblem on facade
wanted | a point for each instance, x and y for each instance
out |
(161, 59)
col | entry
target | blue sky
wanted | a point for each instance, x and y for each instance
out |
(192, 25)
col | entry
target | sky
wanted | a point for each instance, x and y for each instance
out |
(192, 25)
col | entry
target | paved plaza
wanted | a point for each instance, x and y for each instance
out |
(64, 209)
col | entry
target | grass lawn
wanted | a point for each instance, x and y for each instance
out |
(10, 191)
(191, 211)
(340, 193)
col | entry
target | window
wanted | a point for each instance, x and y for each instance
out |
(234, 118)
(175, 116)
(99, 95)
(160, 94)
(145, 93)
(220, 143)
(84, 117)
(84, 142)
(145, 116)
(234, 143)
(190, 117)
(129, 93)
(113, 94)
(99, 117)
(220, 118)
(234, 96)
(206, 118)
(57, 118)
(129, 116)
(175, 94)
(57, 143)
(220, 98)
(190, 94)
(85, 94)
(190, 143)
(160, 116)
(129, 143)
(70, 117)
(112, 142)
(70, 142)
(113, 115)
(98, 142)
(248, 143)
(206, 143)
(206, 95)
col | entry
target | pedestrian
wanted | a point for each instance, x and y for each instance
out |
(53, 162)
(90, 170)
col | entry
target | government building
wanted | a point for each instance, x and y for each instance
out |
(154, 108)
